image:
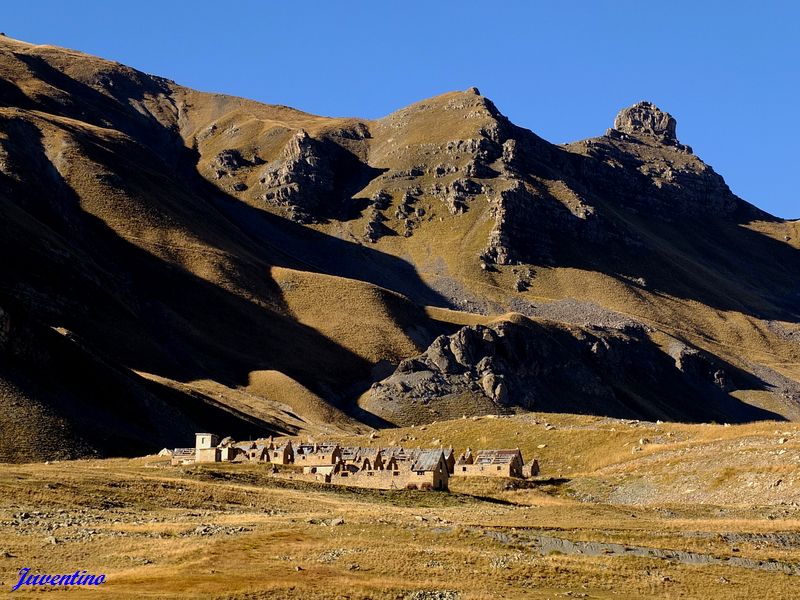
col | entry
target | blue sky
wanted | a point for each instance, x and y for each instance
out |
(728, 71)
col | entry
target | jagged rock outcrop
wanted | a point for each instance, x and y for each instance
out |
(314, 177)
(231, 160)
(541, 366)
(301, 179)
(700, 366)
(542, 218)
(646, 118)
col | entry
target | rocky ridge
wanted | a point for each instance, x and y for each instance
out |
(520, 363)
(150, 225)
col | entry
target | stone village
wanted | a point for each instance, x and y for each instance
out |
(368, 467)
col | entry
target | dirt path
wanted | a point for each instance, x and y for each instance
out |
(547, 544)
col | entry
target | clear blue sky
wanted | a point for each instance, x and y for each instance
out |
(728, 71)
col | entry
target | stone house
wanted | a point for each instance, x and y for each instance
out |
(466, 458)
(531, 469)
(491, 463)
(313, 455)
(182, 456)
(228, 453)
(450, 459)
(350, 453)
(401, 455)
(428, 471)
(206, 447)
(249, 452)
(283, 454)
(366, 458)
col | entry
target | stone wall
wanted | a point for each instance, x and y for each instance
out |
(483, 471)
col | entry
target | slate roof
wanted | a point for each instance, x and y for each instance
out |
(496, 457)
(323, 448)
(350, 452)
(427, 460)
(466, 458)
(401, 454)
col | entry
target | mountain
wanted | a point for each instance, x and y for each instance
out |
(178, 260)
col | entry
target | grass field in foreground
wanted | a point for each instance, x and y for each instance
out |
(233, 531)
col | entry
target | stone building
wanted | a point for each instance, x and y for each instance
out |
(283, 454)
(182, 456)
(379, 468)
(531, 469)
(428, 470)
(491, 463)
(250, 452)
(317, 455)
(206, 447)
(450, 459)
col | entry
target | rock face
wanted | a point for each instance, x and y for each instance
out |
(301, 178)
(541, 366)
(645, 118)
(315, 177)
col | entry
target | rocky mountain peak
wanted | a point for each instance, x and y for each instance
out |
(646, 118)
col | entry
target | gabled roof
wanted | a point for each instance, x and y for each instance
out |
(322, 448)
(401, 454)
(392, 451)
(350, 452)
(427, 460)
(497, 457)
(466, 459)
(183, 452)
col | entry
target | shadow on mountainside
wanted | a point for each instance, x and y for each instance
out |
(112, 110)
(688, 241)
(129, 305)
(544, 367)
(271, 237)
(62, 399)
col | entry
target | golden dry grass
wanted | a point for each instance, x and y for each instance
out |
(370, 321)
(136, 521)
